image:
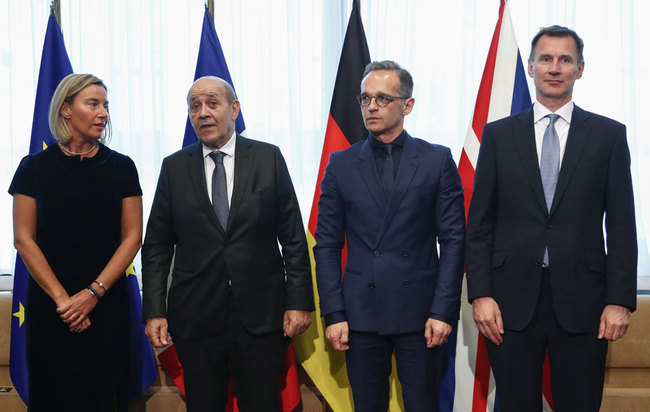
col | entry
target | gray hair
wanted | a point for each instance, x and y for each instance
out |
(230, 92)
(405, 79)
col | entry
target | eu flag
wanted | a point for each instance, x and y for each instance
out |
(55, 65)
(142, 366)
(211, 62)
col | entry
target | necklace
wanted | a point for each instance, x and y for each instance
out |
(71, 153)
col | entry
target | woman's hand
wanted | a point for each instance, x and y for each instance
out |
(85, 324)
(74, 311)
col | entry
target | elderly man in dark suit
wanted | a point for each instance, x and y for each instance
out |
(394, 198)
(540, 274)
(222, 205)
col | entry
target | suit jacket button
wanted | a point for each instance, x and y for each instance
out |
(538, 262)
(376, 253)
(407, 284)
(371, 285)
(405, 253)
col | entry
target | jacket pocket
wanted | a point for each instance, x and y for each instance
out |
(597, 262)
(498, 259)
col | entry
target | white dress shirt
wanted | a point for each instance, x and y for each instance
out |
(228, 164)
(561, 126)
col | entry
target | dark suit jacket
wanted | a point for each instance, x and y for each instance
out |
(263, 211)
(509, 226)
(393, 276)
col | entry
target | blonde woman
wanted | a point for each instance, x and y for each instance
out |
(77, 226)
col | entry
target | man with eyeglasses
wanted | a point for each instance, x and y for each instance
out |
(395, 199)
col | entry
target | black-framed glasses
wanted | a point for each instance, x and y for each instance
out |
(382, 100)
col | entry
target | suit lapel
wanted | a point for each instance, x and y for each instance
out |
(370, 175)
(243, 166)
(407, 167)
(196, 171)
(576, 140)
(524, 140)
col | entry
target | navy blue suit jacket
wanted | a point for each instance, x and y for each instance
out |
(393, 277)
(509, 226)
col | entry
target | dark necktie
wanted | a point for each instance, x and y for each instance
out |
(549, 167)
(219, 189)
(388, 172)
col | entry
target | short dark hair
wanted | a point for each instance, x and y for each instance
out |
(405, 79)
(557, 31)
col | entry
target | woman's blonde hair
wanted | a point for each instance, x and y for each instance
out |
(68, 89)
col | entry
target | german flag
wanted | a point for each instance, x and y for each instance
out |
(344, 128)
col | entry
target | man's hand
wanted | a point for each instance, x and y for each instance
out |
(295, 322)
(436, 332)
(156, 331)
(337, 334)
(614, 322)
(487, 317)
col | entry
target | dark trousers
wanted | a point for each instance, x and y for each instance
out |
(369, 364)
(577, 363)
(255, 362)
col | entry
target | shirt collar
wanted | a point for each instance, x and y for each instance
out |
(399, 141)
(565, 112)
(228, 148)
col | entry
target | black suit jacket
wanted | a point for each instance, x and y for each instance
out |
(509, 225)
(264, 211)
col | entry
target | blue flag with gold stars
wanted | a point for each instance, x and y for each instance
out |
(211, 62)
(55, 65)
(142, 366)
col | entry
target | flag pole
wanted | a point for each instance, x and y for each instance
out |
(210, 5)
(56, 10)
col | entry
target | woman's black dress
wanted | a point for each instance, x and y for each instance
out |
(78, 229)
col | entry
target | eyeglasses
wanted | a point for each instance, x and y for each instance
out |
(382, 100)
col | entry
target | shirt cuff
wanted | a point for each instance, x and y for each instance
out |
(441, 318)
(335, 317)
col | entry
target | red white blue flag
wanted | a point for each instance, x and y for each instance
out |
(503, 92)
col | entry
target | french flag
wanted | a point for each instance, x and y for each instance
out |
(503, 92)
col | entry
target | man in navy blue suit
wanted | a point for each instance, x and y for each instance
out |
(541, 276)
(394, 199)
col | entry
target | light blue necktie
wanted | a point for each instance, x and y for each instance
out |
(219, 189)
(549, 167)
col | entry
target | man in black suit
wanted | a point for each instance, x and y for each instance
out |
(223, 204)
(540, 275)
